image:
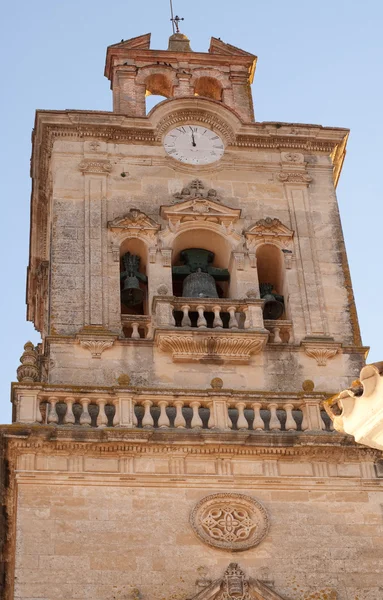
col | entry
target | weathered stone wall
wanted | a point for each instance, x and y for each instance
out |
(119, 537)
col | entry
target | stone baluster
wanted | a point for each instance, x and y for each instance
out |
(242, 423)
(85, 418)
(52, 414)
(211, 421)
(233, 323)
(135, 333)
(277, 335)
(247, 323)
(69, 418)
(196, 422)
(217, 316)
(163, 419)
(185, 319)
(179, 420)
(258, 423)
(305, 421)
(274, 420)
(102, 419)
(116, 417)
(134, 416)
(201, 321)
(147, 420)
(291, 424)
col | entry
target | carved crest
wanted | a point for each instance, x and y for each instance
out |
(234, 585)
(269, 230)
(196, 189)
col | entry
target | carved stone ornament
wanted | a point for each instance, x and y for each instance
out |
(322, 351)
(292, 157)
(294, 177)
(195, 190)
(269, 230)
(96, 339)
(95, 166)
(234, 585)
(216, 347)
(233, 522)
(28, 371)
(96, 347)
(135, 224)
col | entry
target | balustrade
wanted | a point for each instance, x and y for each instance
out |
(211, 313)
(136, 327)
(281, 331)
(257, 415)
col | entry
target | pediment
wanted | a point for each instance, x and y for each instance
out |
(141, 42)
(235, 586)
(200, 209)
(269, 230)
(135, 219)
(217, 46)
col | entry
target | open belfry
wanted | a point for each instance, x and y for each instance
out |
(189, 279)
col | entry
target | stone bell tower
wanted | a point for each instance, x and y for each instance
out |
(189, 279)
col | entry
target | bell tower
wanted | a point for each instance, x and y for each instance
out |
(224, 74)
(189, 279)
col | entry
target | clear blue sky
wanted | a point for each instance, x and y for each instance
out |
(318, 63)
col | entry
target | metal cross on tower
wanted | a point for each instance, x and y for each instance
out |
(175, 19)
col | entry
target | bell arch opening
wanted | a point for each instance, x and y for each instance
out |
(158, 87)
(133, 277)
(272, 281)
(209, 88)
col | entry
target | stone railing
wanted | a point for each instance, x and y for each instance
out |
(208, 412)
(136, 327)
(208, 313)
(281, 331)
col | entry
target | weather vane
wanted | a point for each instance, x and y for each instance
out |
(175, 19)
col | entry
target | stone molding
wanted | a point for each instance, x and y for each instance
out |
(211, 347)
(269, 230)
(195, 116)
(103, 167)
(232, 522)
(135, 224)
(96, 339)
(294, 177)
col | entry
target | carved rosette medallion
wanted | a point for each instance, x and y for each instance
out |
(232, 522)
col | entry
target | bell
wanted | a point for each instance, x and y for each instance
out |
(199, 285)
(274, 307)
(131, 293)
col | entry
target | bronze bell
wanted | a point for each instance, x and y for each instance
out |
(199, 285)
(131, 293)
(274, 303)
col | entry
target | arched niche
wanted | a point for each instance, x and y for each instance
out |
(138, 248)
(271, 269)
(208, 87)
(208, 240)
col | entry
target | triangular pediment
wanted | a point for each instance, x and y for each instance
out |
(217, 46)
(141, 42)
(269, 229)
(199, 208)
(235, 586)
(134, 220)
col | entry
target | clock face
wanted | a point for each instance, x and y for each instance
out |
(194, 145)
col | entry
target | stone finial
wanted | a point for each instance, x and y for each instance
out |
(179, 42)
(216, 383)
(28, 371)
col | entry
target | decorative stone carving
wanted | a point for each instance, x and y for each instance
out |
(216, 347)
(199, 208)
(294, 177)
(308, 386)
(196, 190)
(269, 230)
(233, 522)
(162, 290)
(135, 224)
(292, 157)
(28, 370)
(239, 258)
(96, 347)
(95, 166)
(166, 254)
(216, 383)
(252, 293)
(321, 350)
(123, 379)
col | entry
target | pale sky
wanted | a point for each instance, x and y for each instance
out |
(317, 63)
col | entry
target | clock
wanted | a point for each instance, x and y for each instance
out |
(194, 145)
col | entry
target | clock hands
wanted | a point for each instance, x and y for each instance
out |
(193, 139)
